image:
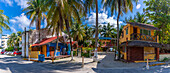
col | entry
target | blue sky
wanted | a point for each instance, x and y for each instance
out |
(18, 19)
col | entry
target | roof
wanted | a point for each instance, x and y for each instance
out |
(73, 42)
(105, 38)
(166, 46)
(143, 25)
(143, 44)
(45, 41)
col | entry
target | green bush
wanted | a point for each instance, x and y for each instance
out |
(85, 54)
(74, 53)
(165, 59)
(10, 49)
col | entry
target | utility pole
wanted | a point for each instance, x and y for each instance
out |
(25, 44)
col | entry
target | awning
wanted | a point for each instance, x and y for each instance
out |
(142, 44)
(45, 41)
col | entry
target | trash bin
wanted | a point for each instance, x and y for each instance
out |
(41, 57)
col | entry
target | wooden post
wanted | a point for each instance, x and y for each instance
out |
(82, 61)
(147, 66)
(157, 54)
(25, 44)
(53, 59)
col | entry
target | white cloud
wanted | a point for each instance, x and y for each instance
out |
(138, 6)
(103, 19)
(22, 3)
(21, 21)
(13, 29)
(8, 2)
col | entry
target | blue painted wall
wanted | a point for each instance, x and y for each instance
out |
(54, 45)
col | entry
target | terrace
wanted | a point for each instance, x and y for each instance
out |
(138, 36)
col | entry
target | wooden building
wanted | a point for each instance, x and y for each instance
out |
(138, 42)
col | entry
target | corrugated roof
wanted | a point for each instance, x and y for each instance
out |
(143, 25)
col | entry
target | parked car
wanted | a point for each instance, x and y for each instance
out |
(2, 52)
(17, 53)
(5, 52)
(8, 53)
(12, 53)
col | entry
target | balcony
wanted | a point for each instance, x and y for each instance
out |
(138, 36)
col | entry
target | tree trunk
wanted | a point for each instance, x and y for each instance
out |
(118, 28)
(67, 27)
(96, 36)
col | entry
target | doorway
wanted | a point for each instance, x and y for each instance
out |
(135, 32)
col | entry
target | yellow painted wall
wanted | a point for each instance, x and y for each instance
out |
(124, 53)
(130, 31)
(34, 54)
(44, 49)
(149, 53)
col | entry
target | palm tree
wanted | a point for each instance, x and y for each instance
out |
(14, 39)
(108, 31)
(91, 4)
(11, 41)
(61, 13)
(138, 18)
(122, 6)
(36, 12)
(78, 32)
(88, 32)
(3, 20)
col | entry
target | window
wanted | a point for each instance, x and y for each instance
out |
(122, 34)
(126, 30)
(145, 32)
(149, 32)
(141, 31)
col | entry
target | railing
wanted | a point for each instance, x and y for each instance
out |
(137, 36)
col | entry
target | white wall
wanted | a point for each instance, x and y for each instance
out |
(27, 45)
(162, 56)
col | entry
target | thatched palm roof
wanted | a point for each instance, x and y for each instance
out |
(143, 25)
(138, 43)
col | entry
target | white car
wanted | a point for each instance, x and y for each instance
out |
(5, 53)
(8, 53)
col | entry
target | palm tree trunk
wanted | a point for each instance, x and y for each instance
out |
(67, 27)
(57, 32)
(118, 29)
(96, 36)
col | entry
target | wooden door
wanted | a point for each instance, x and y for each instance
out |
(136, 53)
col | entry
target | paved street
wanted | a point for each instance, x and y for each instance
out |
(10, 64)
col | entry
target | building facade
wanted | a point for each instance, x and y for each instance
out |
(138, 42)
(4, 39)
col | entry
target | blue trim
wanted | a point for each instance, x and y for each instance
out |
(105, 38)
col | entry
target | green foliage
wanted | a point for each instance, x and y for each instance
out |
(86, 52)
(1, 48)
(14, 39)
(141, 18)
(10, 49)
(74, 53)
(77, 31)
(158, 12)
(108, 31)
(3, 21)
(165, 59)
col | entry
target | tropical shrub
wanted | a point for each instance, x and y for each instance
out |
(10, 49)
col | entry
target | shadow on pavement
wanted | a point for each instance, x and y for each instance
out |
(16, 65)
